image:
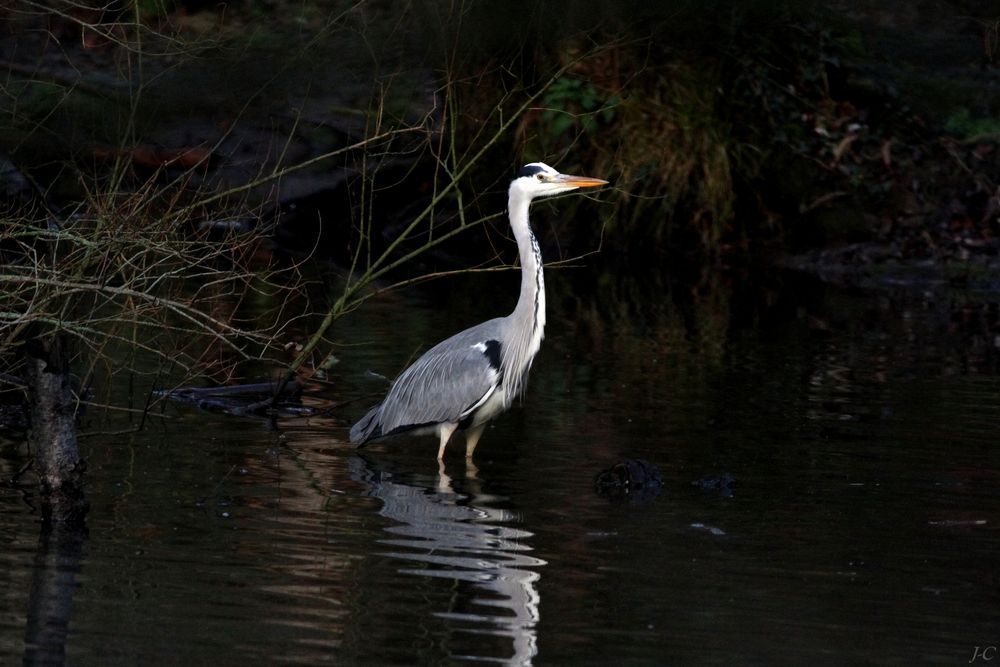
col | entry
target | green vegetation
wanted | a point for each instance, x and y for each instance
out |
(575, 104)
(964, 125)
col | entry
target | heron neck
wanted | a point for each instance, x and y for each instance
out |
(532, 280)
(524, 327)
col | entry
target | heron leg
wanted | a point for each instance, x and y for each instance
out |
(472, 439)
(445, 431)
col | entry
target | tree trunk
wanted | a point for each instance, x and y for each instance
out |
(52, 438)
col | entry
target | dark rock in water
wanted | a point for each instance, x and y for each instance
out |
(631, 480)
(721, 483)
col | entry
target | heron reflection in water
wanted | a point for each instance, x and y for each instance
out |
(463, 536)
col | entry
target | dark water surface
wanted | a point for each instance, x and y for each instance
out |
(862, 525)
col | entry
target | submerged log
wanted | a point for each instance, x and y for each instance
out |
(243, 399)
(52, 436)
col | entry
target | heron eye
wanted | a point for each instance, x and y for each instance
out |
(540, 177)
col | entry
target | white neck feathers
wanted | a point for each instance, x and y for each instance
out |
(526, 324)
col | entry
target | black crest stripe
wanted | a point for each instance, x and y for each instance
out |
(528, 170)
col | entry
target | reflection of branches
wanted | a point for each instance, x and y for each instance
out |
(202, 321)
(129, 269)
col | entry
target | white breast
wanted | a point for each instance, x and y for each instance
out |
(491, 407)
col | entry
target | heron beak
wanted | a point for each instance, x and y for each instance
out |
(579, 181)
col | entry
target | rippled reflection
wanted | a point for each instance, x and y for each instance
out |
(449, 529)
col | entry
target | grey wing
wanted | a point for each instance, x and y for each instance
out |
(447, 384)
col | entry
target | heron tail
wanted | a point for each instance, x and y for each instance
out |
(366, 428)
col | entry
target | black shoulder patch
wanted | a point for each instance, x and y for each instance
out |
(528, 170)
(492, 353)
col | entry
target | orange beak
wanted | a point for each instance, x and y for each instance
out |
(579, 181)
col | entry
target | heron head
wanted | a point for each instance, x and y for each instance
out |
(538, 179)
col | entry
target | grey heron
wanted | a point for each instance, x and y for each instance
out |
(466, 380)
